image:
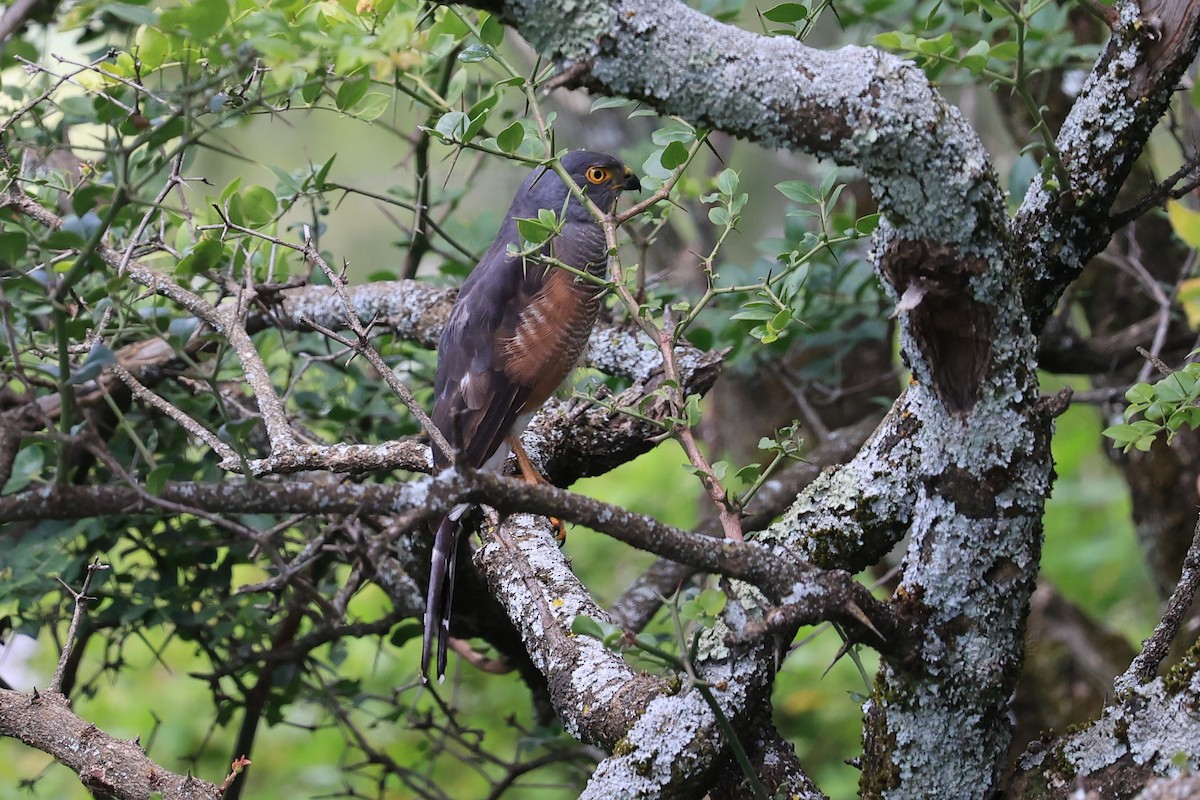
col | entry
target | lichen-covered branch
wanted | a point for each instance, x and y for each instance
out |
(639, 602)
(666, 744)
(1148, 732)
(1055, 232)
(68, 501)
(852, 515)
(596, 694)
(107, 766)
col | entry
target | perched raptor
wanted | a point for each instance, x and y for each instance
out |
(516, 330)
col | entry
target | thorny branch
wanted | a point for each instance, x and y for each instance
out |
(81, 601)
(106, 765)
(363, 345)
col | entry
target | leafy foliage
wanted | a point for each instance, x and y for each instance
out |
(1167, 405)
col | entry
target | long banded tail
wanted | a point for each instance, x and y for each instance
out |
(441, 594)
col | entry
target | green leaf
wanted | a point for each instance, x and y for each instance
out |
(1005, 51)
(203, 19)
(372, 107)
(405, 632)
(452, 125)
(235, 433)
(674, 155)
(81, 227)
(718, 216)
(127, 12)
(353, 89)
(14, 47)
(976, 58)
(26, 466)
(206, 255)
(491, 32)
(180, 330)
(936, 46)
(151, 47)
(1156, 412)
(712, 601)
(1140, 393)
(727, 181)
(163, 132)
(867, 225)
(318, 181)
(458, 84)
(691, 410)
(12, 248)
(756, 311)
(1139, 435)
(98, 357)
(606, 632)
(610, 102)
(258, 205)
(509, 140)
(765, 334)
(673, 133)
(157, 478)
(534, 231)
(749, 473)
(1168, 390)
(473, 53)
(479, 115)
(786, 12)
(889, 40)
(799, 191)
(583, 625)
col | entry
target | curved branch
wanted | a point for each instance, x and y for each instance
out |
(106, 766)
(642, 598)
(595, 693)
(1153, 42)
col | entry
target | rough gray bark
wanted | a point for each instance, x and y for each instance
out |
(107, 766)
(969, 479)
(1143, 735)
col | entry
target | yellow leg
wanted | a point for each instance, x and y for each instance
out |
(531, 475)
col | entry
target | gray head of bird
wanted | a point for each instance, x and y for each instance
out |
(601, 177)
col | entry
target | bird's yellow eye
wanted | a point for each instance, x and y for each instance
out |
(598, 174)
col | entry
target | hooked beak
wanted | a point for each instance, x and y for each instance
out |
(631, 181)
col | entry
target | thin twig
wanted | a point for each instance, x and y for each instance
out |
(1155, 361)
(568, 78)
(1133, 263)
(1170, 189)
(173, 180)
(363, 345)
(34, 102)
(1154, 649)
(186, 422)
(368, 351)
(81, 601)
(235, 769)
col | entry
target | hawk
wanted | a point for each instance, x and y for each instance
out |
(517, 329)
